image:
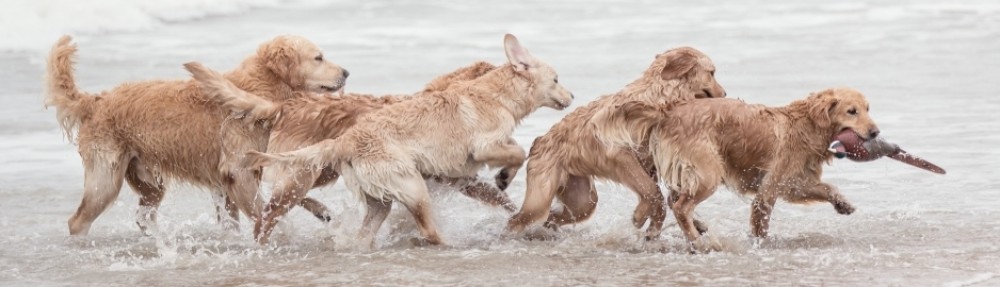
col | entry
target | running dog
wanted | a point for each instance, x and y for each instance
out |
(767, 152)
(149, 132)
(451, 134)
(585, 146)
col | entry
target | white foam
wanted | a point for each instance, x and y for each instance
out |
(33, 25)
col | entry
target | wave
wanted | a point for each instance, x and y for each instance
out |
(33, 25)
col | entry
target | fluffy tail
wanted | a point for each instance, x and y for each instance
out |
(72, 105)
(327, 152)
(466, 73)
(625, 125)
(219, 89)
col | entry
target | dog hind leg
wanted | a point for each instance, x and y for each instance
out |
(374, 217)
(288, 193)
(417, 201)
(542, 185)
(578, 199)
(150, 191)
(104, 172)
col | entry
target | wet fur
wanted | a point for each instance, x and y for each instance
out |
(151, 132)
(309, 120)
(587, 145)
(764, 152)
(451, 134)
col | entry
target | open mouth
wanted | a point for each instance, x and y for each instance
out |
(560, 105)
(330, 88)
(860, 136)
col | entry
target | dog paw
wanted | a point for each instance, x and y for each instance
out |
(503, 179)
(701, 227)
(843, 208)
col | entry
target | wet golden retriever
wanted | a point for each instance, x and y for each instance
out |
(583, 146)
(149, 132)
(767, 152)
(451, 134)
(309, 120)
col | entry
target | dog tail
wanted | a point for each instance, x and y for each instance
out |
(626, 125)
(73, 106)
(466, 73)
(219, 89)
(325, 153)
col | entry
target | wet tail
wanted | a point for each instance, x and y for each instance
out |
(622, 124)
(219, 89)
(466, 73)
(325, 153)
(72, 105)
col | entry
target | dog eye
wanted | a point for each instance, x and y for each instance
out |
(319, 58)
(712, 72)
(556, 80)
(852, 111)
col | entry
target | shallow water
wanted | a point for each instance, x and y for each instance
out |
(928, 69)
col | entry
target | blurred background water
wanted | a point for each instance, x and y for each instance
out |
(929, 69)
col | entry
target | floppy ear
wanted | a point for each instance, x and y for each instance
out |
(516, 54)
(282, 60)
(679, 62)
(821, 108)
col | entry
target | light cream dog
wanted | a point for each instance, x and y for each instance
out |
(149, 132)
(309, 120)
(585, 146)
(451, 134)
(768, 152)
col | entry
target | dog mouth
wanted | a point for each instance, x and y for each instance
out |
(557, 105)
(331, 89)
(704, 94)
(860, 136)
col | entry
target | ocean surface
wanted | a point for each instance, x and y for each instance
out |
(929, 68)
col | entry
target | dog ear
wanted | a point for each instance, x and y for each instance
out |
(679, 62)
(516, 54)
(279, 57)
(822, 106)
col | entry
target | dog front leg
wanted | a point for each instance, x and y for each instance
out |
(507, 155)
(760, 211)
(822, 192)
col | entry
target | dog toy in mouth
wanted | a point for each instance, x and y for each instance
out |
(848, 144)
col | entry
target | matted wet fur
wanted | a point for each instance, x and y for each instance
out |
(309, 120)
(149, 132)
(451, 134)
(585, 146)
(767, 152)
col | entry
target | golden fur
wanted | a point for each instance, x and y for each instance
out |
(309, 120)
(585, 146)
(768, 152)
(450, 134)
(152, 131)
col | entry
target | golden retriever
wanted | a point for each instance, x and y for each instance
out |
(583, 147)
(308, 120)
(149, 132)
(768, 152)
(451, 134)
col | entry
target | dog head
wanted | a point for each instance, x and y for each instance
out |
(688, 69)
(543, 78)
(841, 109)
(300, 64)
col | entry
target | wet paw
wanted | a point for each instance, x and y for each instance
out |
(843, 208)
(503, 179)
(701, 227)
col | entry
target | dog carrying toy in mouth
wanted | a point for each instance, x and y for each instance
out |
(848, 144)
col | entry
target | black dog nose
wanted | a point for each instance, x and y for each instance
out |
(873, 133)
(571, 96)
(346, 73)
